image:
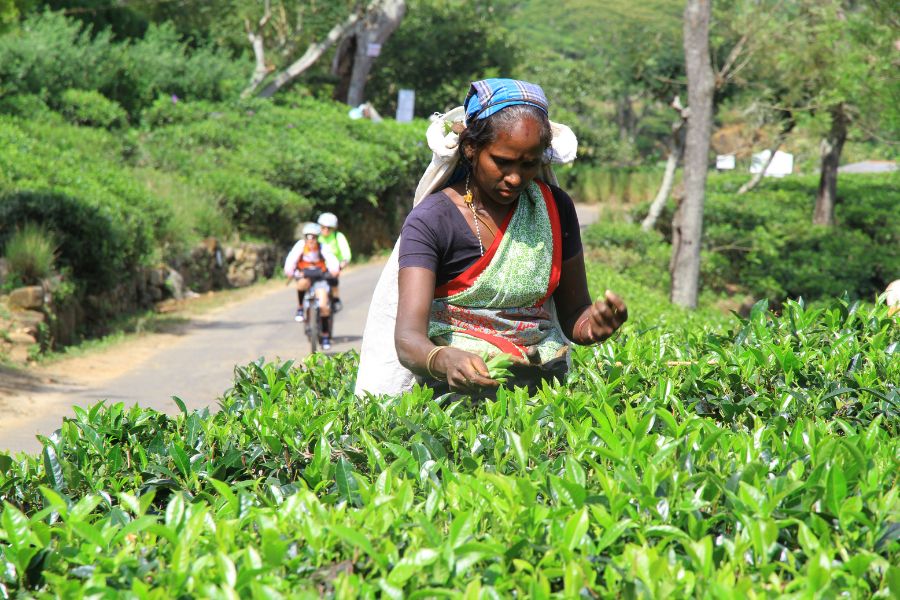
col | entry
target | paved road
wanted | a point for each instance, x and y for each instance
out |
(198, 367)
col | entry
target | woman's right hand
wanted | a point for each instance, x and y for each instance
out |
(464, 371)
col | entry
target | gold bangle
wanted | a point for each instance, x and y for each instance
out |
(429, 361)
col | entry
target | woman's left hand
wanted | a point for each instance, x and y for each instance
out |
(602, 320)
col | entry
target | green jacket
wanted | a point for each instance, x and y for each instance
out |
(338, 244)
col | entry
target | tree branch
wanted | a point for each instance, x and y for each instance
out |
(312, 54)
(258, 43)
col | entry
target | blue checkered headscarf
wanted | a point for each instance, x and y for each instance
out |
(491, 95)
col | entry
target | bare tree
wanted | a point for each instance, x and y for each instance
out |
(676, 148)
(786, 128)
(357, 50)
(372, 22)
(687, 226)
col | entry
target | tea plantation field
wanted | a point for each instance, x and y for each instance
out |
(692, 456)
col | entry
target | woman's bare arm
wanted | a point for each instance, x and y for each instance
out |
(464, 371)
(416, 287)
(583, 321)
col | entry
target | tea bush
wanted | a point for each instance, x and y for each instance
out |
(753, 460)
(87, 107)
(764, 240)
(67, 179)
(273, 165)
(50, 53)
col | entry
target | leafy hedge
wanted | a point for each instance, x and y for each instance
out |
(756, 461)
(764, 242)
(50, 53)
(271, 165)
(71, 180)
(259, 168)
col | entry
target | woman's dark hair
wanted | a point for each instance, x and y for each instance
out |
(484, 131)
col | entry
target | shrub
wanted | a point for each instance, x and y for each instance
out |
(87, 107)
(629, 251)
(269, 164)
(26, 106)
(169, 110)
(30, 254)
(67, 178)
(745, 457)
(764, 240)
(260, 208)
(101, 242)
(162, 64)
(50, 53)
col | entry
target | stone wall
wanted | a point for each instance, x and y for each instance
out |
(30, 320)
(23, 322)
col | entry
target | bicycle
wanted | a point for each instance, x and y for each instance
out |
(312, 324)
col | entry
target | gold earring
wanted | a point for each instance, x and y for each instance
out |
(467, 198)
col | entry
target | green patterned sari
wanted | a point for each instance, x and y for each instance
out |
(500, 303)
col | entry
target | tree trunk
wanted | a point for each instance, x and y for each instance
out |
(353, 62)
(687, 226)
(665, 189)
(626, 119)
(676, 148)
(831, 157)
(257, 42)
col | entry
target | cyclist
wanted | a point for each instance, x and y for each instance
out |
(337, 242)
(306, 258)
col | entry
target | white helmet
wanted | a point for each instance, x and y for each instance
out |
(311, 229)
(328, 220)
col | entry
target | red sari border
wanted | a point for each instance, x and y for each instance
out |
(556, 228)
(467, 278)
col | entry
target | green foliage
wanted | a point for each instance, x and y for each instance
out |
(123, 19)
(87, 107)
(160, 63)
(639, 257)
(256, 206)
(762, 241)
(755, 460)
(770, 247)
(67, 179)
(168, 111)
(270, 166)
(439, 49)
(11, 11)
(30, 253)
(49, 54)
(27, 106)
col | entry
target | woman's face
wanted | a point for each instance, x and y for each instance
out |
(504, 167)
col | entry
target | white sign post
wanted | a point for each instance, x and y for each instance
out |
(406, 102)
(724, 162)
(782, 164)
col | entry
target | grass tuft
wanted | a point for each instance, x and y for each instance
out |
(31, 254)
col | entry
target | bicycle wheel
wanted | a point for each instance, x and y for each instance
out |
(312, 318)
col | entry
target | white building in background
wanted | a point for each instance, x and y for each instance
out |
(724, 162)
(782, 164)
